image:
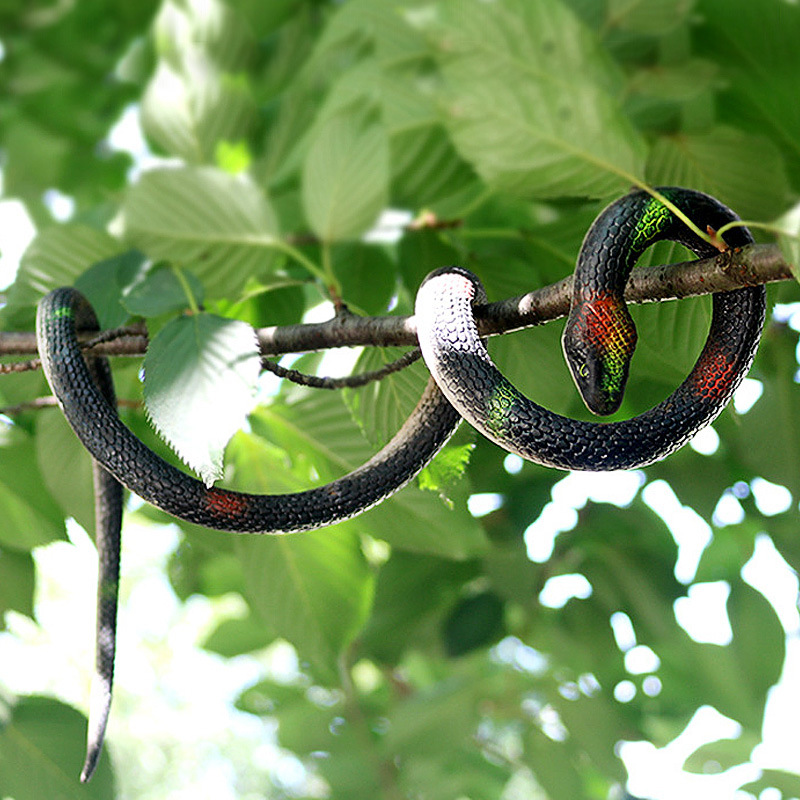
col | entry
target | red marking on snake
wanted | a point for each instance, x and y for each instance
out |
(225, 504)
(713, 375)
(604, 321)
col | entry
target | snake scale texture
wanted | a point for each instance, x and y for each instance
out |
(598, 341)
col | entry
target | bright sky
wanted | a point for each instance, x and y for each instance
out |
(170, 693)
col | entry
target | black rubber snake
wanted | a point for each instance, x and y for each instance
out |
(464, 382)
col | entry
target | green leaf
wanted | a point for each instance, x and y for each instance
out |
(346, 174)
(201, 376)
(45, 738)
(761, 94)
(381, 407)
(449, 466)
(16, 583)
(203, 563)
(30, 515)
(66, 467)
(721, 755)
(744, 171)
(776, 458)
(554, 766)
(157, 291)
(648, 18)
(56, 257)
(477, 621)
(105, 281)
(234, 637)
(412, 595)
(313, 589)
(366, 274)
(220, 226)
(531, 99)
(596, 724)
(212, 28)
(321, 442)
(436, 720)
(187, 112)
(787, 783)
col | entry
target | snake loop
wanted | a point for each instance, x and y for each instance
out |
(598, 341)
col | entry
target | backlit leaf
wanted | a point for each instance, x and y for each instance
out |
(531, 99)
(201, 373)
(220, 226)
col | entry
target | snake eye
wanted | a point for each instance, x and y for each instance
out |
(583, 371)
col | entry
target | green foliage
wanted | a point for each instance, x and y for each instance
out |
(427, 665)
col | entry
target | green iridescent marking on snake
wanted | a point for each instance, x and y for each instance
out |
(655, 217)
(502, 398)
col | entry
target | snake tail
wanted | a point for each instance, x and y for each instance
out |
(108, 496)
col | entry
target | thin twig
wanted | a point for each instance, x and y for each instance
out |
(346, 382)
(50, 401)
(20, 366)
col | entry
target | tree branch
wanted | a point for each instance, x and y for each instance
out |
(734, 269)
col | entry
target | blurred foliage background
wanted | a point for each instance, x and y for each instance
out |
(462, 640)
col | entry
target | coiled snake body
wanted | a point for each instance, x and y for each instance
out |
(599, 339)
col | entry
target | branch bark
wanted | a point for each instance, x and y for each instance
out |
(734, 269)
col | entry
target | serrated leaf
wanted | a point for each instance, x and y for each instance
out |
(346, 174)
(446, 468)
(314, 589)
(46, 739)
(381, 407)
(158, 291)
(530, 99)
(221, 226)
(201, 373)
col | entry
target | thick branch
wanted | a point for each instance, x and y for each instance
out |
(750, 266)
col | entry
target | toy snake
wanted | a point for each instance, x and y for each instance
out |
(598, 341)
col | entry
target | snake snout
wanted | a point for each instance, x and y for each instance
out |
(599, 356)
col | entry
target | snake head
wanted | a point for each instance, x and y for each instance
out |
(598, 341)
